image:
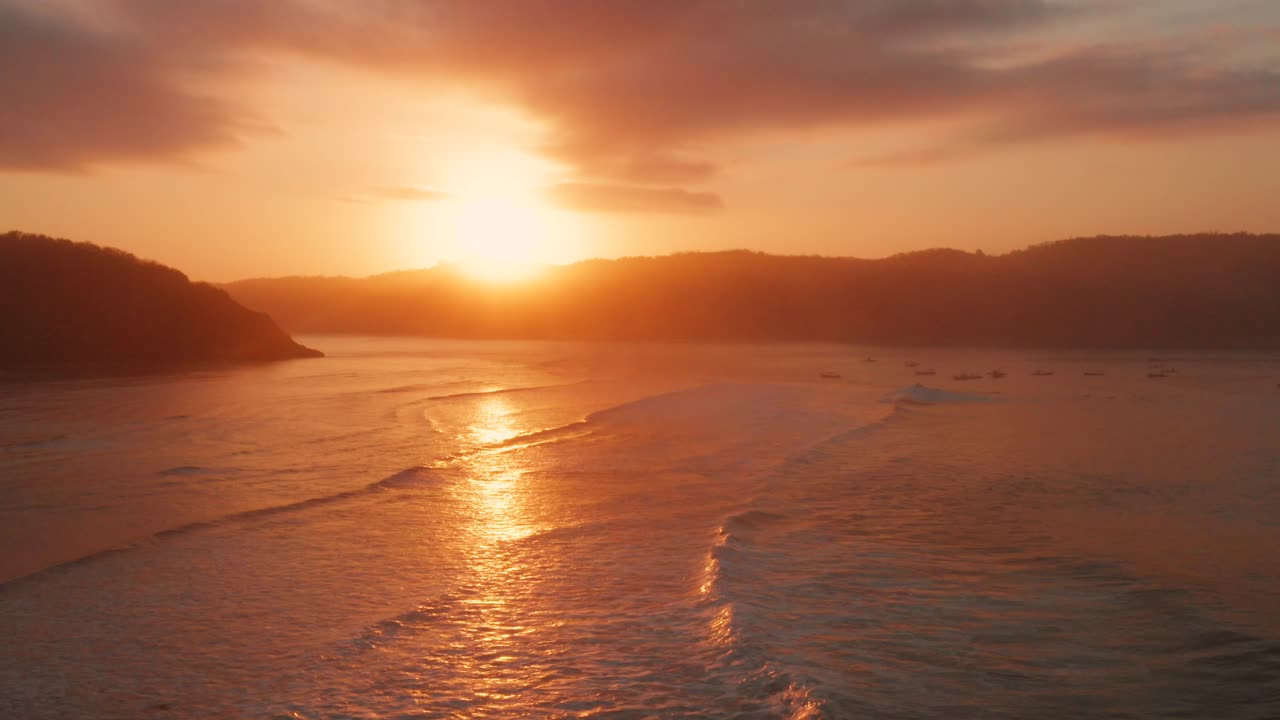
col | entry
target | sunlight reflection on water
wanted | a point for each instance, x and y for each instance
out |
(493, 422)
(498, 624)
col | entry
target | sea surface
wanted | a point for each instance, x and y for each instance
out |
(447, 529)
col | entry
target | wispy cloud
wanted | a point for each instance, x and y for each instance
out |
(73, 97)
(416, 194)
(607, 198)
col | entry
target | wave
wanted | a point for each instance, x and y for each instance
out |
(53, 443)
(184, 470)
(747, 529)
(413, 478)
(752, 672)
(641, 404)
(500, 391)
(711, 401)
(568, 431)
(714, 400)
(921, 395)
(403, 389)
(751, 519)
(34, 443)
(748, 537)
(649, 408)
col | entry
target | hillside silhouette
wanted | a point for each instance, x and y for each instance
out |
(76, 308)
(1188, 291)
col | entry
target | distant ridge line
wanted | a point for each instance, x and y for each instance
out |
(1201, 292)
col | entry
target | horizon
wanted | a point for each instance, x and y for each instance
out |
(534, 270)
(280, 140)
(461, 269)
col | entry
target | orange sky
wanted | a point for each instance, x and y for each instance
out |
(233, 138)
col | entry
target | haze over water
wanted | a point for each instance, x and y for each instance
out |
(445, 529)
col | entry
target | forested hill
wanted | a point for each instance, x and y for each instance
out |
(76, 308)
(1186, 291)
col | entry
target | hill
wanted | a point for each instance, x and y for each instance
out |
(76, 308)
(1187, 291)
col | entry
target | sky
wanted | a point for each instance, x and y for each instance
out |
(239, 138)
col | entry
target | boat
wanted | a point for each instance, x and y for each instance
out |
(1156, 375)
(829, 375)
(868, 359)
(966, 376)
(997, 374)
(1042, 373)
(911, 363)
(930, 371)
(1093, 374)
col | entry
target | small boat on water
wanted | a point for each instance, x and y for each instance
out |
(1156, 375)
(1042, 373)
(930, 371)
(1088, 373)
(911, 363)
(829, 375)
(997, 374)
(966, 376)
(868, 359)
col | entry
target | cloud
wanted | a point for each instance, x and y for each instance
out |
(73, 97)
(916, 17)
(634, 92)
(1133, 93)
(1117, 94)
(640, 166)
(410, 193)
(606, 198)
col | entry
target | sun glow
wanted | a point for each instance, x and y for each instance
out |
(495, 226)
(491, 218)
(498, 240)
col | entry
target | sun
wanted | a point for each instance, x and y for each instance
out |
(494, 221)
(498, 240)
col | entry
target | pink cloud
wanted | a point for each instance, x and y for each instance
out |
(609, 198)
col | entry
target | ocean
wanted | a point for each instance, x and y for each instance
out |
(447, 529)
